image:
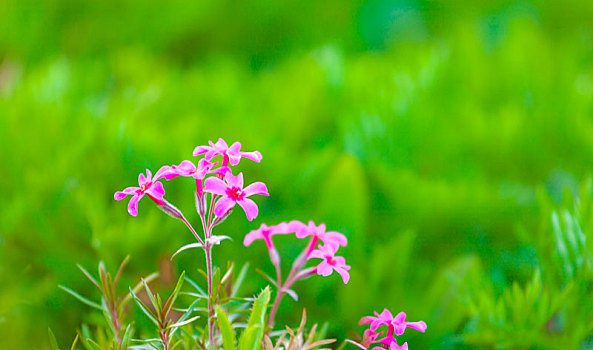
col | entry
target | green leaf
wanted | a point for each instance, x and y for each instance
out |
(183, 323)
(226, 329)
(52, 340)
(155, 303)
(239, 281)
(253, 335)
(125, 343)
(196, 286)
(73, 347)
(185, 247)
(249, 338)
(187, 313)
(144, 308)
(81, 298)
(173, 296)
(90, 277)
(93, 345)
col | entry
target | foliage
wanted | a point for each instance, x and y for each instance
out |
(437, 135)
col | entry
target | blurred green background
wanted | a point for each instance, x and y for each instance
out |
(450, 140)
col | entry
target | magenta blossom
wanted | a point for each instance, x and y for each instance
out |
(148, 185)
(330, 238)
(232, 192)
(330, 262)
(266, 232)
(188, 169)
(395, 324)
(230, 155)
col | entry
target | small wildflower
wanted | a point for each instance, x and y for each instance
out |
(397, 324)
(330, 262)
(266, 232)
(148, 185)
(230, 155)
(232, 192)
(330, 238)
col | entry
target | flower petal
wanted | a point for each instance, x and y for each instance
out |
(419, 326)
(252, 236)
(334, 238)
(133, 204)
(316, 254)
(156, 191)
(256, 188)
(234, 153)
(400, 318)
(223, 205)
(345, 275)
(215, 185)
(162, 172)
(201, 150)
(119, 195)
(324, 269)
(235, 181)
(249, 207)
(187, 166)
(254, 156)
(366, 320)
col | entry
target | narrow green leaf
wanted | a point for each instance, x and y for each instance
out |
(89, 276)
(137, 288)
(93, 345)
(120, 270)
(185, 247)
(144, 308)
(183, 323)
(73, 347)
(81, 298)
(196, 286)
(252, 336)
(52, 340)
(125, 343)
(239, 280)
(153, 300)
(226, 329)
(186, 314)
(173, 296)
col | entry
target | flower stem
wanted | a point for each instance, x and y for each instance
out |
(275, 307)
(210, 296)
(191, 228)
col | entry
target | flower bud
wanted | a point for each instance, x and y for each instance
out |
(219, 220)
(274, 257)
(200, 204)
(170, 210)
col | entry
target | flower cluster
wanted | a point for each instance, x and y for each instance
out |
(227, 189)
(327, 252)
(383, 329)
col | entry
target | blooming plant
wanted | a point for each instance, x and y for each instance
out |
(218, 190)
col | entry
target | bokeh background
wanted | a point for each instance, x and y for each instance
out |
(450, 140)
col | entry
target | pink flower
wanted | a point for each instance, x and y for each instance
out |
(330, 238)
(395, 324)
(232, 192)
(188, 169)
(231, 154)
(148, 185)
(266, 232)
(330, 262)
